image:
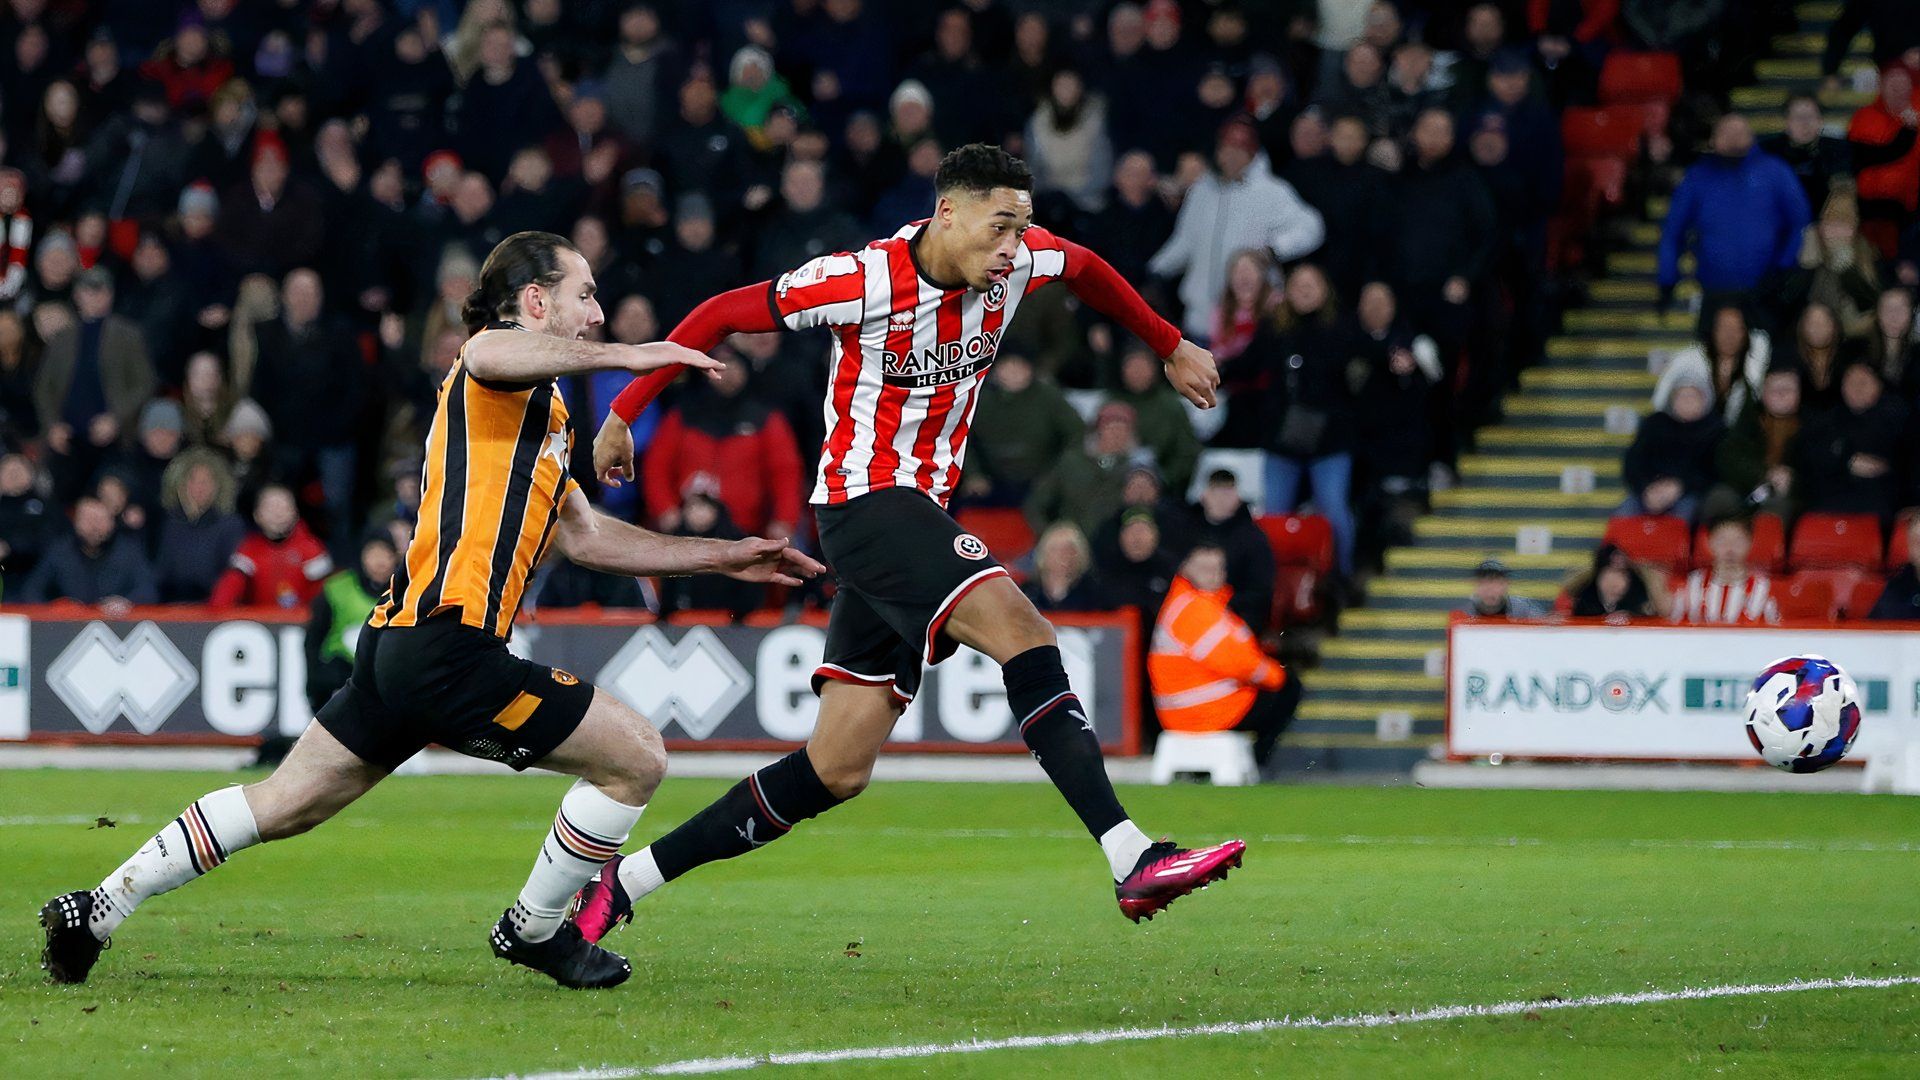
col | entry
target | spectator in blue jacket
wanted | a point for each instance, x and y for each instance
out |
(1740, 210)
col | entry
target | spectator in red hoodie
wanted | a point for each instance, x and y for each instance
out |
(1886, 159)
(280, 564)
(742, 449)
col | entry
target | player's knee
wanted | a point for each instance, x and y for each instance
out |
(847, 780)
(636, 774)
(1029, 630)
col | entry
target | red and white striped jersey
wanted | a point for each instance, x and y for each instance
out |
(907, 360)
(1703, 598)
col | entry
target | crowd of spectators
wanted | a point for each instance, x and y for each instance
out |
(237, 235)
(1801, 393)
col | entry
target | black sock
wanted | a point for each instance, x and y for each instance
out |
(759, 809)
(1055, 726)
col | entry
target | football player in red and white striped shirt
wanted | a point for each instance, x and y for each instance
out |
(1729, 593)
(915, 319)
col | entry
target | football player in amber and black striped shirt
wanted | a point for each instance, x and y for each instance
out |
(432, 663)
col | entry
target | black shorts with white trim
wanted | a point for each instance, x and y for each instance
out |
(902, 564)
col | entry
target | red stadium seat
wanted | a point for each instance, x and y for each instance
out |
(1303, 557)
(1593, 187)
(1807, 596)
(1602, 133)
(1640, 76)
(1769, 545)
(1299, 540)
(1656, 539)
(1897, 555)
(1836, 540)
(1860, 599)
(1296, 596)
(1005, 532)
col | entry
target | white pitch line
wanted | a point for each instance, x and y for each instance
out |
(1362, 840)
(741, 1063)
(1350, 840)
(42, 820)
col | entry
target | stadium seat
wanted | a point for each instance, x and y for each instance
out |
(1249, 469)
(1807, 596)
(1897, 555)
(1656, 539)
(1303, 556)
(1860, 599)
(1004, 531)
(1299, 540)
(1836, 540)
(1769, 545)
(1296, 596)
(1602, 133)
(1593, 188)
(1636, 77)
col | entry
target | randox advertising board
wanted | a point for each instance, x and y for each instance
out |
(1654, 691)
(183, 677)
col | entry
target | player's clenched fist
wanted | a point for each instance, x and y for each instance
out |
(613, 452)
(1191, 370)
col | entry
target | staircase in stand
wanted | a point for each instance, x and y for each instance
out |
(1389, 655)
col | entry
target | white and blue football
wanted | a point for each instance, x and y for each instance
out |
(1803, 713)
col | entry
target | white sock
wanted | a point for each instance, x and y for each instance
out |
(639, 874)
(205, 835)
(1124, 844)
(586, 833)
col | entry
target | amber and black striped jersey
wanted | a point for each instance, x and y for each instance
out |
(490, 493)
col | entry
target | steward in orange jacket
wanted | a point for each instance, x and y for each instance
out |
(1206, 668)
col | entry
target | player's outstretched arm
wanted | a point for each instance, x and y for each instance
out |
(738, 311)
(591, 539)
(1189, 367)
(514, 356)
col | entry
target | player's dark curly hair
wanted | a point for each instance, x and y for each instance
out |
(525, 258)
(979, 168)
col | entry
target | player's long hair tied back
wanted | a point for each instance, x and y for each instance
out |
(525, 258)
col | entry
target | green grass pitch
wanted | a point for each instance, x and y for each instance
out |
(941, 912)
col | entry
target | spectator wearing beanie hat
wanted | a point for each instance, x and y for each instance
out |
(248, 437)
(1087, 483)
(156, 443)
(273, 222)
(199, 261)
(1671, 462)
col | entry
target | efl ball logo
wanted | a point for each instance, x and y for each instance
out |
(969, 546)
(997, 296)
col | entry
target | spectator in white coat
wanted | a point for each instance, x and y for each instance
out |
(1240, 204)
(1733, 360)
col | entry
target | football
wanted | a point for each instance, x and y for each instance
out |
(1803, 713)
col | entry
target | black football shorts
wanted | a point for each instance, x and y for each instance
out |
(902, 564)
(441, 681)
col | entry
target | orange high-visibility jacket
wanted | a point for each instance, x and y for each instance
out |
(1205, 666)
